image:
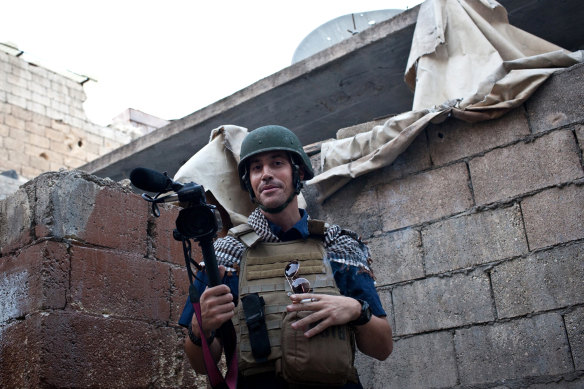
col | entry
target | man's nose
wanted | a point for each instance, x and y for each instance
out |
(266, 172)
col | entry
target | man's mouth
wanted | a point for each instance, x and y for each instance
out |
(268, 188)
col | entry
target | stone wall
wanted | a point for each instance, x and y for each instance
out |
(477, 236)
(43, 126)
(91, 287)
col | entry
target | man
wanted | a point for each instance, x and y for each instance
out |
(280, 246)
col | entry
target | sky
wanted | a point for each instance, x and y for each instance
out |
(168, 58)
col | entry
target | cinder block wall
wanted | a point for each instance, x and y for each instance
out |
(477, 236)
(91, 288)
(43, 126)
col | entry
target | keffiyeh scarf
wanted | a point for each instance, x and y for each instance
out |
(342, 246)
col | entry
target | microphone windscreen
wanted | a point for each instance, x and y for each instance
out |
(150, 180)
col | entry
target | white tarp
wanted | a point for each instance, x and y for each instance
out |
(466, 61)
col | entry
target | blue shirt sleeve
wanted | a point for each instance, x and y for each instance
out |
(231, 280)
(357, 284)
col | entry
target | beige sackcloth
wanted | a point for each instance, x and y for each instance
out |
(466, 62)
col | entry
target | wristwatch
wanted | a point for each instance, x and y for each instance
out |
(365, 314)
(196, 340)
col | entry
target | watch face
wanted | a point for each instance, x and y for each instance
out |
(366, 312)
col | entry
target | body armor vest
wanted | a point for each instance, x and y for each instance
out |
(262, 272)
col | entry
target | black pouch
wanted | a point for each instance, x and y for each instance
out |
(253, 308)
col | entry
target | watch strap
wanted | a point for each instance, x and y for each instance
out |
(365, 315)
(196, 340)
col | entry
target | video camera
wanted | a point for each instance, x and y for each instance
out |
(197, 220)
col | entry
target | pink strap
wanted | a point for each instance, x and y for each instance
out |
(215, 377)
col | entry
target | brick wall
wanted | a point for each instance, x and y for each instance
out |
(477, 233)
(43, 126)
(91, 287)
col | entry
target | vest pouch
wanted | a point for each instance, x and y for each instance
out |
(253, 308)
(325, 359)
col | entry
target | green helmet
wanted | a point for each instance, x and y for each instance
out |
(273, 138)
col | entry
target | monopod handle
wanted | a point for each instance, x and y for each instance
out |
(210, 261)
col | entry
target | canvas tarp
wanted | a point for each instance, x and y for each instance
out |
(466, 61)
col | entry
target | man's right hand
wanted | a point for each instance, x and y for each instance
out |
(217, 307)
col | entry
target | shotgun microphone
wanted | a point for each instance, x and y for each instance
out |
(152, 181)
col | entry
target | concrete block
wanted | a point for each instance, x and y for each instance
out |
(41, 79)
(165, 247)
(53, 135)
(37, 140)
(474, 239)
(80, 350)
(568, 383)
(546, 280)
(575, 331)
(12, 99)
(41, 119)
(4, 129)
(36, 278)
(387, 304)
(455, 139)
(442, 302)
(515, 170)
(15, 144)
(119, 220)
(17, 158)
(15, 222)
(580, 136)
(397, 257)
(20, 356)
(517, 349)
(78, 205)
(424, 197)
(128, 284)
(14, 123)
(554, 216)
(21, 114)
(179, 292)
(552, 105)
(360, 208)
(414, 159)
(17, 80)
(41, 99)
(423, 361)
(20, 92)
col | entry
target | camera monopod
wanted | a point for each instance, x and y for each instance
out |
(196, 221)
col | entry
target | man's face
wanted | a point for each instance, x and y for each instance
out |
(270, 175)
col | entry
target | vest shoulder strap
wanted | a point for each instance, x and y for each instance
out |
(317, 227)
(245, 234)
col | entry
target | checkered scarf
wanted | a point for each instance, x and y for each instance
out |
(342, 246)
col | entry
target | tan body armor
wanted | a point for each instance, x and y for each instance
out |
(262, 271)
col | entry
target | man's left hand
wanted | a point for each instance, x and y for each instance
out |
(327, 311)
